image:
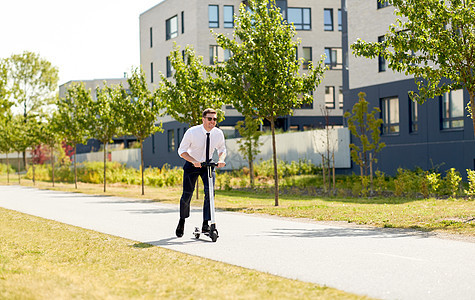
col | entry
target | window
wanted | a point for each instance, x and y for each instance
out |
(413, 116)
(333, 58)
(382, 3)
(300, 17)
(178, 141)
(171, 27)
(169, 67)
(228, 15)
(171, 140)
(182, 22)
(381, 60)
(151, 38)
(213, 16)
(153, 143)
(307, 56)
(340, 26)
(390, 114)
(340, 97)
(218, 54)
(452, 110)
(330, 97)
(328, 19)
(151, 72)
(308, 105)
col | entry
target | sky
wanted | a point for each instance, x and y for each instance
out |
(86, 39)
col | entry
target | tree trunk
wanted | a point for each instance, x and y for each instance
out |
(8, 170)
(24, 159)
(33, 166)
(105, 153)
(19, 168)
(52, 164)
(141, 165)
(333, 169)
(274, 156)
(251, 173)
(324, 174)
(75, 168)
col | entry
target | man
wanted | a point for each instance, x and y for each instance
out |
(193, 150)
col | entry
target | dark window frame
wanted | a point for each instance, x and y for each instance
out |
(446, 113)
(303, 25)
(171, 140)
(182, 22)
(213, 23)
(382, 4)
(151, 72)
(169, 67)
(307, 61)
(413, 116)
(333, 64)
(381, 60)
(227, 23)
(328, 26)
(388, 128)
(330, 105)
(168, 33)
(151, 37)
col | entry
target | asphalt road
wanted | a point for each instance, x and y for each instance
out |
(382, 263)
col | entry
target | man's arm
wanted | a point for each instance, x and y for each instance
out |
(221, 162)
(190, 159)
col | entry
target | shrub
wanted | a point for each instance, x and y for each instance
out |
(3, 169)
(451, 182)
(471, 183)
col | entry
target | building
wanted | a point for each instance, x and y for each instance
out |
(435, 135)
(93, 144)
(188, 22)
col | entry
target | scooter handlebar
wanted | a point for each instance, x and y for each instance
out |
(209, 164)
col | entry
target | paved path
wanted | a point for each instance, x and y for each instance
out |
(388, 264)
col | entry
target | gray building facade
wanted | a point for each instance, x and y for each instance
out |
(435, 135)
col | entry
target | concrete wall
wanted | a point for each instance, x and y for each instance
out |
(295, 146)
(129, 157)
(307, 145)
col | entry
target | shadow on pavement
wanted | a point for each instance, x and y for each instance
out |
(345, 232)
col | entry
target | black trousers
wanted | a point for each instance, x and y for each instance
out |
(190, 175)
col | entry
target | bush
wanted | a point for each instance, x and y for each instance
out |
(451, 183)
(3, 169)
(471, 183)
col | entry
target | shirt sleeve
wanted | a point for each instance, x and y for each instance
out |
(221, 146)
(185, 143)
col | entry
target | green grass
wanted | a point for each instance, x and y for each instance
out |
(43, 259)
(455, 216)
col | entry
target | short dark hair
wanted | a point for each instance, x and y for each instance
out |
(208, 111)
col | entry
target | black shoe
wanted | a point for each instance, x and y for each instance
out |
(205, 227)
(180, 228)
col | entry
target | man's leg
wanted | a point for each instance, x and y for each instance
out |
(190, 175)
(206, 204)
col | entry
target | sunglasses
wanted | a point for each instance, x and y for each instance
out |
(211, 119)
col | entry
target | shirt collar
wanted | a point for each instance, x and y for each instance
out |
(204, 130)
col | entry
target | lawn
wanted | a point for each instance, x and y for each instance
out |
(43, 259)
(454, 216)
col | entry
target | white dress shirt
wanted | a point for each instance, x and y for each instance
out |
(194, 142)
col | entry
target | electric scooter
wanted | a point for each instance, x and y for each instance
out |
(213, 232)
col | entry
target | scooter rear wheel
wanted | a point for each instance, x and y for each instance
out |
(213, 235)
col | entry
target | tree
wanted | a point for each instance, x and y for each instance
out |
(432, 40)
(74, 118)
(32, 81)
(6, 138)
(51, 136)
(366, 128)
(140, 111)
(191, 91)
(249, 143)
(261, 78)
(5, 104)
(106, 120)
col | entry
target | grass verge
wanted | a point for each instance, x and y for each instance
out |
(453, 216)
(43, 259)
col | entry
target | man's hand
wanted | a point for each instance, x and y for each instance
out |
(221, 164)
(197, 164)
